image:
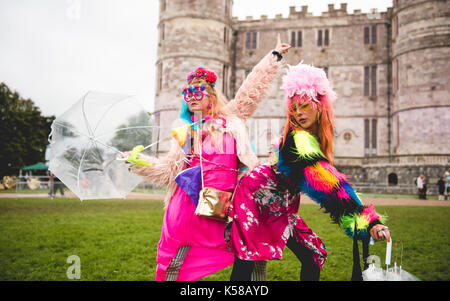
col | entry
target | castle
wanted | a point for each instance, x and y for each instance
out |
(390, 71)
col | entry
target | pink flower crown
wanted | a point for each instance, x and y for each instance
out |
(202, 73)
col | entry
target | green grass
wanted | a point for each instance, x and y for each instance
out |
(117, 239)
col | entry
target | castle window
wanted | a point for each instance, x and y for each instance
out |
(366, 80)
(327, 37)
(392, 179)
(370, 137)
(370, 80)
(347, 136)
(159, 78)
(374, 79)
(225, 35)
(395, 25)
(296, 38)
(157, 129)
(366, 35)
(395, 74)
(323, 37)
(162, 32)
(374, 136)
(374, 34)
(225, 80)
(370, 34)
(250, 41)
(366, 137)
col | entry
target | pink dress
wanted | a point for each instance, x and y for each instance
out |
(265, 218)
(208, 252)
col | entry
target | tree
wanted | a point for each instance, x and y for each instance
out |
(23, 132)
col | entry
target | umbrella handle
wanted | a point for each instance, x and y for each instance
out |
(388, 250)
(133, 157)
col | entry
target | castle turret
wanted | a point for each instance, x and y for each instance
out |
(421, 77)
(191, 34)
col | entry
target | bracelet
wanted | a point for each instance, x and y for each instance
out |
(372, 224)
(279, 56)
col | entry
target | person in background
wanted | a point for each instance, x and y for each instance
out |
(419, 183)
(51, 183)
(55, 185)
(441, 188)
(425, 187)
(447, 184)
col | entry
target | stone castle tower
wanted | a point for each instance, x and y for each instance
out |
(420, 109)
(390, 71)
(191, 34)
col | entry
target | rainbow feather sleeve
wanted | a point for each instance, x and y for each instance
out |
(302, 161)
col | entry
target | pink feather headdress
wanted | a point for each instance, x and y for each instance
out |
(307, 82)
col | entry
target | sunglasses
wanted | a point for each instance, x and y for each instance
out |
(194, 92)
(304, 107)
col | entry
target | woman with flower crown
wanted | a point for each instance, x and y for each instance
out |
(264, 209)
(206, 152)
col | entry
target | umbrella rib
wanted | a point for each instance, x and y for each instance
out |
(84, 115)
(89, 129)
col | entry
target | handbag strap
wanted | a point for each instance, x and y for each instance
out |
(200, 150)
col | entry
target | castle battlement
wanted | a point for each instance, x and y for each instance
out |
(302, 13)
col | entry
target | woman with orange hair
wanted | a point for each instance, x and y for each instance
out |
(263, 215)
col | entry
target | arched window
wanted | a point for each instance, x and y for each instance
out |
(392, 179)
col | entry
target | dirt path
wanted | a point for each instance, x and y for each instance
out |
(305, 200)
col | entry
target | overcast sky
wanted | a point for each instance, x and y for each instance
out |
(54, 51)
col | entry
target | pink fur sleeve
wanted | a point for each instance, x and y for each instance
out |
(254, 88)
(162, 171)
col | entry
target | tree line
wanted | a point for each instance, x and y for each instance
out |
(23, 132)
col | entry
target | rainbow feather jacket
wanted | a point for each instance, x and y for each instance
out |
(301, 163)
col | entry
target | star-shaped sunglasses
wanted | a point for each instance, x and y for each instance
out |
(194, 92)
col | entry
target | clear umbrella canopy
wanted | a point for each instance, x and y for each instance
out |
(87, 139)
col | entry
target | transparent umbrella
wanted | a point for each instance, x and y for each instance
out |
(395, 272)
(86, 141)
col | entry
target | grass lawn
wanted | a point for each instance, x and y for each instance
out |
(116, 240)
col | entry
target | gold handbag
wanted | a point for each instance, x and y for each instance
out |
(212, 203)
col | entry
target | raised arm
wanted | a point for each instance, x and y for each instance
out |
(302, 161)
(257, 83)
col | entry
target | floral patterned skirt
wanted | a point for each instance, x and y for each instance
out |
(264, 218)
